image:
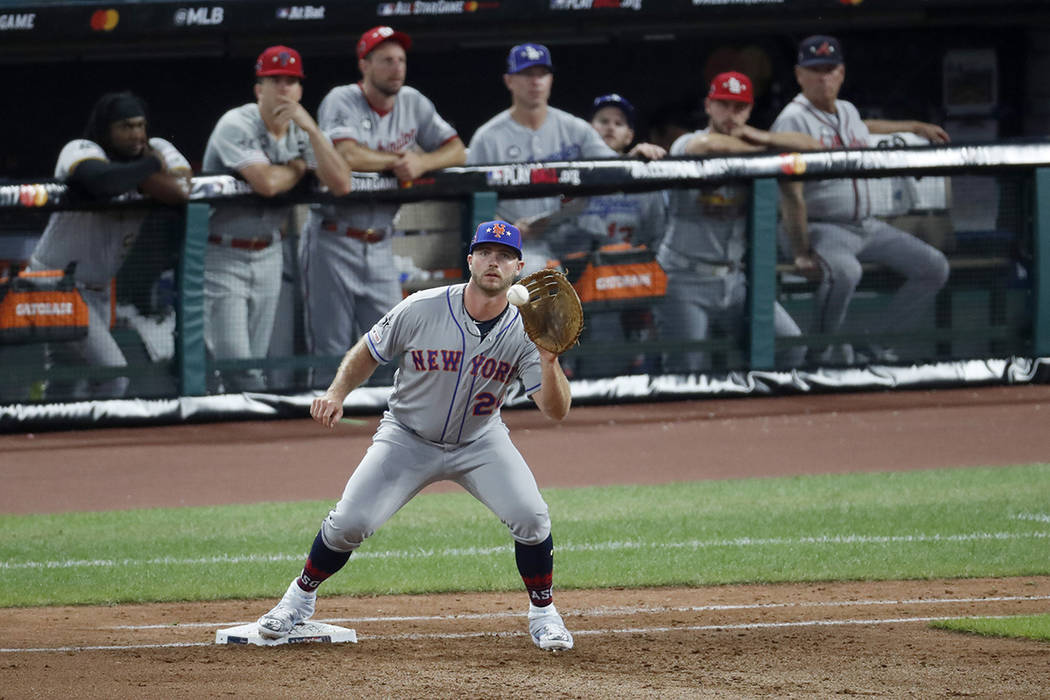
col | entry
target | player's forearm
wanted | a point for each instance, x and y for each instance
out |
(166, 188)
(279, 178)
(357, 366)
(794, 141)
(793, 213)
(107, 179)
(451, 154)
(707, 144)
(555, 398)
(332, 170)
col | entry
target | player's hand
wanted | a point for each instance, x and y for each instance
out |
(809, 265)
(748, 133)
(647, 150)
(289, 110)
(408, 166)
(326, 410)
(931, 132)
(546, 356)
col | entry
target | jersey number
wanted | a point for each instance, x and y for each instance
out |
(484, 404)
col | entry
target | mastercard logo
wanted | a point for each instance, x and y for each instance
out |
(104, 20)
(792, 164)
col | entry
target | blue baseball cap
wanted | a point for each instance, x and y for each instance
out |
(497, 232)
(819, 50)
(525, 56)
(614, 100)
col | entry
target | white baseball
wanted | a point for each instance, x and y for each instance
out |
(517, 294)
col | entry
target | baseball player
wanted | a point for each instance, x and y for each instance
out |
(271, 143)
(703, 251)
(346, 256)
(530, 131)
(116, 157)
(459, 349)
(613, 220)
(841, 232)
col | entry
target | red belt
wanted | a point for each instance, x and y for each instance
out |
(368, 235)
(245, 243)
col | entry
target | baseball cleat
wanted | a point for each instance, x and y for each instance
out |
(547, 630)
(296, 606)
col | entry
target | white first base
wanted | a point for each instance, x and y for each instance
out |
(300, 634)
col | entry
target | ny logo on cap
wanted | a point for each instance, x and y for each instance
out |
(498, 230)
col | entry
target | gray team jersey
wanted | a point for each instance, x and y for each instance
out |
(830, 200)
(412, 125)
(561, 137)
(638, 219)
(708, 224)
(451, 383)
(240, 138)
(98, 240)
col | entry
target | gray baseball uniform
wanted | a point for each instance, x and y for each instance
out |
(243, 263)
(844, 234)
(702, 255)
(98, 241)
(345, 256)
(443, 421)
(562, 136)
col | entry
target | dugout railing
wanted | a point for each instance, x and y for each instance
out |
(990, 323)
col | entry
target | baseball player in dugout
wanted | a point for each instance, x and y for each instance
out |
(532, 131)
(346, 257)
(841, 232)
(272, 143)
(615, 222)
(116, 158)
(459, 349)
(703, 251)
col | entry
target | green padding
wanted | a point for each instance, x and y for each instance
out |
(1041, 288)
(762, 260)
(189, 340)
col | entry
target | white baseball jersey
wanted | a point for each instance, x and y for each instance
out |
(241, 138)
(561, 137)
(412, 125)
(451, 382)
(841, 199)
(708, 224)
(98, 240)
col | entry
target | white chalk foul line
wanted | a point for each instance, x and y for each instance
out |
(472, 635)
(502, 549)
(611, 611)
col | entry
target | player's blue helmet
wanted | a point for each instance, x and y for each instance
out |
(497, 232)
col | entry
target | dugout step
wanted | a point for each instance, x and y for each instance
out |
(303, 633)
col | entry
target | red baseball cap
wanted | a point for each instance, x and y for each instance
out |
(279, 60)
(377, 35)
(732, 86)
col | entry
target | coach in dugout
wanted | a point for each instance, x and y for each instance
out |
(116, 158)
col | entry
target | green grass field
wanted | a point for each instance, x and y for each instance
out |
(1018, 626)
(908, 525)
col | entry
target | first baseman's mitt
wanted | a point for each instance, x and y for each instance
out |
(553, 316)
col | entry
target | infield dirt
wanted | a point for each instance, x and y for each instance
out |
(800, 640)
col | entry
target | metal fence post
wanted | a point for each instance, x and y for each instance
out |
(189, 330)
(762, 260)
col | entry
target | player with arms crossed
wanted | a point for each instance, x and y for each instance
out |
(346, 255)
(116, 158)
(460, 349)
